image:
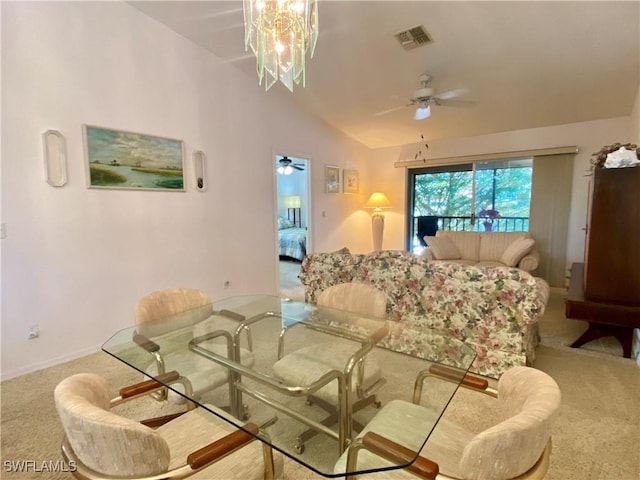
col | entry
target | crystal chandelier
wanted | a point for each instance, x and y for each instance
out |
(280, 32)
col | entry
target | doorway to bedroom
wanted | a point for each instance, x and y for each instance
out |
(292, 218)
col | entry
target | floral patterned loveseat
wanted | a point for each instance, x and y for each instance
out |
(493, 309)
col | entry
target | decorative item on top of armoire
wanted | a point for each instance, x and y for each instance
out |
(616, 156)
(605, 289)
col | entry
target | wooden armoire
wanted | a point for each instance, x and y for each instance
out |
(605, 289)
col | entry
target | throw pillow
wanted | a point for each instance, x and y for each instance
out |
(284, 223)
(443, 248)
(516, 250)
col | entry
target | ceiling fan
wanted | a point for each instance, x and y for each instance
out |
(286, 166)
(426, 96)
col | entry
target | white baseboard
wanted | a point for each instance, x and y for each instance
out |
(48, 363)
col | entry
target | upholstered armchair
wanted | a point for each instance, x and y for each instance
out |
(517, 447)
(174, 308)
(101, 444)
(306, 365)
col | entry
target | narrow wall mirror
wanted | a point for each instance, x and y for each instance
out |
(55, 158)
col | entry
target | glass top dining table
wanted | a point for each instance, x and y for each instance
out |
(272, 327)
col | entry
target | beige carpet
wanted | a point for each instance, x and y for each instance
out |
(290, 285)
(596, 436)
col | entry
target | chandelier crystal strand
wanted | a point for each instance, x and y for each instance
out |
(279, 33)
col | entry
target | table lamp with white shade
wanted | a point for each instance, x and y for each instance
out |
(377, 201)
(293, 205)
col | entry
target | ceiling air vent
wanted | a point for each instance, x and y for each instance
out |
(413, 37)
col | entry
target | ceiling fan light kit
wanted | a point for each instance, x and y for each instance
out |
(422, 112)
(424, 97)
(285, 170)
(279, 33)
(287, 167)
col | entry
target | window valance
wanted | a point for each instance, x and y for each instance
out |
(540, 152)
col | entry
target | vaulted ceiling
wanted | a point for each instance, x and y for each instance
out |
(525, 64)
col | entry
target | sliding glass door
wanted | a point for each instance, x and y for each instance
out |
(488, 195)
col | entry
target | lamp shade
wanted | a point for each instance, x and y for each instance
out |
(292, 202)
(378, 201)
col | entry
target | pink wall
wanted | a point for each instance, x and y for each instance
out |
(76, 259)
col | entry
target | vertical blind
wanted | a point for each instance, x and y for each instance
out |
(549, 214)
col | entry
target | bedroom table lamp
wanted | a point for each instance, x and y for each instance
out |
(293, 205)
(377, 201)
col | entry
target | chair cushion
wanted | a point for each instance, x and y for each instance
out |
(528, 397)
(355, 297)
(102, 440)
(404, 422)
(171, 309)
(199, 427)
(488, 263)
(530, 400)
(308, 364)
(442, 248)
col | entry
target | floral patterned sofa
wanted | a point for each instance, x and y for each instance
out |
(493, 309)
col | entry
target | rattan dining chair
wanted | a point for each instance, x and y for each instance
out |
(100, 443)
(171, 309)
(517, 447)
(307, 364)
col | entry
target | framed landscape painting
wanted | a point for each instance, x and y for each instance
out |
(127, 160)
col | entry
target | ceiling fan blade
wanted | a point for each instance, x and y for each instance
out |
(455, 103)
(451, 93)
(297, 167)
(384, 112)
(422, 112)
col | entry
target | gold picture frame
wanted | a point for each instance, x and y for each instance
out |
(350, 181)
(119, 159)
(332, 179)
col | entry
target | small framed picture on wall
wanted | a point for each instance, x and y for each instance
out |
(350, 181)
(332, 179)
